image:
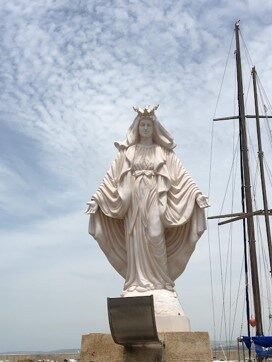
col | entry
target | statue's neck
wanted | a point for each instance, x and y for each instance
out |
(146, 141)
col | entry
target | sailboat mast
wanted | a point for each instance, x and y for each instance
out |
(261, 162)
(247, 187)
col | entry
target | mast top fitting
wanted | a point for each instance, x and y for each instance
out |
(237, 24)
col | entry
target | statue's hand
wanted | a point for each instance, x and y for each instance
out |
(92, 207)
(202, 201)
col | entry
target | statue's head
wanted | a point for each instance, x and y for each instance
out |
(145, 128)
(146, 120)
(144, 125)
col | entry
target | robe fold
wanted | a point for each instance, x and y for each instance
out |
(148, 221)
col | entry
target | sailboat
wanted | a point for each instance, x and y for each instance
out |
(255, 342)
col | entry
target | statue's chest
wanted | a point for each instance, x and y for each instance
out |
(144, 158)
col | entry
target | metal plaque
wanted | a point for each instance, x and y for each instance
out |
(132, 321)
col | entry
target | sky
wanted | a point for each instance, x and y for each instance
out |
(71, 71)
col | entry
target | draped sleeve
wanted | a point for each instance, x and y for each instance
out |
(183, 219)
(182, 194)
(107, 224)
(107, 195)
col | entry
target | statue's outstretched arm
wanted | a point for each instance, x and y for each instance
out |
(92, 207)
(180, 173)
(108, 187)
(202, 201)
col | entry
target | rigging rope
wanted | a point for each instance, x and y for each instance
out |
(260, 89)
(247, 54)
(231, 234)
(223, 280)
(264, 93)
(237, 299)
(209, 187)
(268, 171)
(223, 313)
(232, 173)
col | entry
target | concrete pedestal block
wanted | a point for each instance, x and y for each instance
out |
(186, 346)
(176, 347)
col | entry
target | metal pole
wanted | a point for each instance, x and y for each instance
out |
(245, 245)
(261, 155)
(249, 208)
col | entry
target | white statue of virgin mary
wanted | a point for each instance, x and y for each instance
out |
(148, 213)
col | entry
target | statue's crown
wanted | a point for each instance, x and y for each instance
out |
(147, 111)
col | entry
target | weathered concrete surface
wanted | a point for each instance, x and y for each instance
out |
(178, 347)
(187, 346)
(58, 357)
(99, 347)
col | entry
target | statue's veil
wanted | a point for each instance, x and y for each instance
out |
(160, 134)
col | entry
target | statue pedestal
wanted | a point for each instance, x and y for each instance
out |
(169, 314)
(176, 347)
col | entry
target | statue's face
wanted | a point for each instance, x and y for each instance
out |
(146, 128)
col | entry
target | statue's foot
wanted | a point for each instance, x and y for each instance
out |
(147, 288)
(169, 287)
(130, 289)
(142, 289)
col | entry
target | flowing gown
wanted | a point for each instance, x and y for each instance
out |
(148, 220)
(146, 250)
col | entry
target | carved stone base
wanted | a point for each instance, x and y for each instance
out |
(176, 347)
